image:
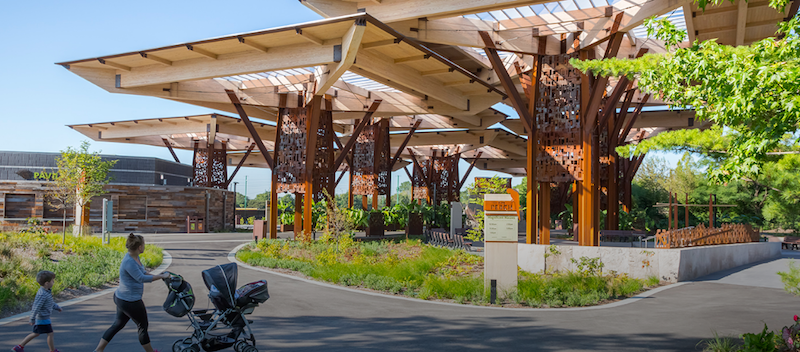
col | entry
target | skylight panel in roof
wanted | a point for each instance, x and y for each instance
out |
(553, 7)
(526, 11)
(512, 13)
(676, 17)
(568, 5)
(539, 9)
(365, 83)
(498, 15)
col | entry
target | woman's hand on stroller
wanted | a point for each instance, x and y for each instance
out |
(163, 276)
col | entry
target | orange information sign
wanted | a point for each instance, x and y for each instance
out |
(503, 206)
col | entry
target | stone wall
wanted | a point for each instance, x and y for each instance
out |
(137, 208)
(672, 265)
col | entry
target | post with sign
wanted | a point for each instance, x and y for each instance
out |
(108, 217)
(501, 217)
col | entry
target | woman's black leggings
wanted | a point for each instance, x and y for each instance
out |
(127, 311)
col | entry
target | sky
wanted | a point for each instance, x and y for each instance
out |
(39, 98)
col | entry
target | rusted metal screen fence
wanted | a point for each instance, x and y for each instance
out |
(704, 236)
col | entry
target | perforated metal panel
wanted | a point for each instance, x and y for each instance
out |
(210, 171)
(371, 160)
(290, 164)
(558, 120)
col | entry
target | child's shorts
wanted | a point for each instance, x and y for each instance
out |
(43, 329)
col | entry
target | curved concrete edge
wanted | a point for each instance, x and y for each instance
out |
(158, 270)
(641, 296)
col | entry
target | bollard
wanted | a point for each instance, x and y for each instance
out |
(493, 296)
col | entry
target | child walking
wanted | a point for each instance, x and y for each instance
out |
(43, 305)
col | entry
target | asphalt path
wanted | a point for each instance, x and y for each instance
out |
(306, 316)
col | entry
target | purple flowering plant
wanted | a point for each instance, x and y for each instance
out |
(790, 337)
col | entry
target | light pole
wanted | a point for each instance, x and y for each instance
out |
(235, 195)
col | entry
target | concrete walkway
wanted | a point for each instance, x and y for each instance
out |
(310, 317)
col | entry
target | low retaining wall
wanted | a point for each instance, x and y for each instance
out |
(672, 265)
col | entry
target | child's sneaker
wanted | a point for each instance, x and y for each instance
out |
(18, 348)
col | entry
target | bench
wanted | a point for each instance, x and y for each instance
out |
(442, 238)
(620, 235)
(790, 242)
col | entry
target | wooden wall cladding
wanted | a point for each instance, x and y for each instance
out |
(558, 121)
(136, 208)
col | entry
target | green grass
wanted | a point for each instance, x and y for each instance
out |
(87, 262)
(417, 270)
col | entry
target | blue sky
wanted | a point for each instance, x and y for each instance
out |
(39, 98)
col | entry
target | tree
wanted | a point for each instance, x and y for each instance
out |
(749, 90)
(475, 192)
(260, 201)
(61, 197)
(241, 200)
(85, 174)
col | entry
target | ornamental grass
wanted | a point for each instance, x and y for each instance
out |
(414, 269)
(79, 261)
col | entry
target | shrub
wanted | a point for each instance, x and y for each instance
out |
(87, 262)
(416, 270)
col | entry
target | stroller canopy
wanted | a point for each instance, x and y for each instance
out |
(222, 279)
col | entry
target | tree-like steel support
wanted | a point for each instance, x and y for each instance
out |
(172, 151)
(241, 162)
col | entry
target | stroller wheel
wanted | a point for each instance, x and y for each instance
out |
(185, 345)
(242, 346)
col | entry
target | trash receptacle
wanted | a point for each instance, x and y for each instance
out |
(259, 230)
(195, 224)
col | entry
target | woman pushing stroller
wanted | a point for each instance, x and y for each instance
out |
(128, 297)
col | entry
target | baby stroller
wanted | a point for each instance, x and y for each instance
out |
(225, 326)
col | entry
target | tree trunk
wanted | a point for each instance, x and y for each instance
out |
(64, 226)
(76, 228)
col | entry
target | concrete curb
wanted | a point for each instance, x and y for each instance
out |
(641, 296)
(158, 270)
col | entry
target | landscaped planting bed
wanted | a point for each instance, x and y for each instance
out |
(81, 264)
(414, 269)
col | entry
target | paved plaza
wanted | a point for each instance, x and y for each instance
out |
(305, 316)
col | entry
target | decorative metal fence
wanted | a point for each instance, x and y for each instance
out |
(704, 236)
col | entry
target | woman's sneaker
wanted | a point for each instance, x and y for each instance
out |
(18, 348)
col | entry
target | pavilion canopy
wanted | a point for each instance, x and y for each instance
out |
(423, 59)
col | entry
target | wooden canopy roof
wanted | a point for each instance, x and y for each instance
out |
(422, 59)
(179, 132)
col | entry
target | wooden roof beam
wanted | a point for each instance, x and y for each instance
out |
(253, 44)
(379, 43)
(201, 51)
(156, 59)
(309, 37)
(393, 11)
(409, 59)
(350, 45)
(437, 72)
(280, 58)
(114, 64)
(741, 22)
(410, 78)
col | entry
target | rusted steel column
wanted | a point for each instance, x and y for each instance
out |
(311, 152)
(298, 215)
(612, 215)
(531, 215)
(669, 213)
(350, 190)
(273, 208)
(686, 209)
(544, 213)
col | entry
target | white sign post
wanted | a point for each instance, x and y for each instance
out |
(500, 233)
(455, 217)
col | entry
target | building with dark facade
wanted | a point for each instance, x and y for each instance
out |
(148, 194)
